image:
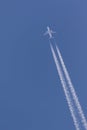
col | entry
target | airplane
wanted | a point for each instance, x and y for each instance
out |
(49, 32)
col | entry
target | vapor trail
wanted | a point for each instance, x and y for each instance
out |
(66, 91)
(72, 90)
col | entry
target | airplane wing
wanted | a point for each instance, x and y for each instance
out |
(53, 32)
(46, 33)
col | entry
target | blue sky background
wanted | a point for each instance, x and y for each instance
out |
(31, 96)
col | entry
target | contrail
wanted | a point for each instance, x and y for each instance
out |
(66, 91)
(72, 90)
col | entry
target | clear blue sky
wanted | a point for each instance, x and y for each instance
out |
(31, 96)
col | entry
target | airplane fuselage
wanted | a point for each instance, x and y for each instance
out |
(49, 32)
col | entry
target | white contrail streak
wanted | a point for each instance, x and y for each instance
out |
(65, 88)
(72, 90)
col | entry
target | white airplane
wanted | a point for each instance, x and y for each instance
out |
(49, 32)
